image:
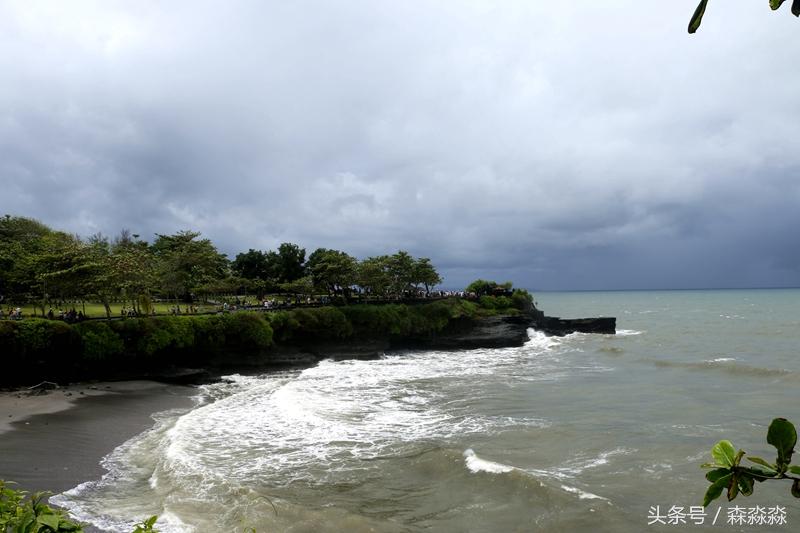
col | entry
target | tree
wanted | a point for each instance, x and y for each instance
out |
(401, 272)
(482, 287)
(70, 268)
(131, 269)
(289, 262)
(332, 270)
(373, 275)
(425, 273)
(303, 286)
(186, 262)
(697, 17)
(22, 242)
(252, 264)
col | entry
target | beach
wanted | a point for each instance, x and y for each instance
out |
(55, 440)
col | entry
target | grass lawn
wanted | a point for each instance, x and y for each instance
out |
(96, 309)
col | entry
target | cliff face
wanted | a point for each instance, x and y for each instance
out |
(491, 332)
(501, 331)
(193, 350)
(463, 334)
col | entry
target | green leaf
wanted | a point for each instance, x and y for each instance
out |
(715, 489)
(697, 17)
(794, 469)
(796, 488)
(49, 520)
(796, 8)
(69, 527)
(738, 458)
(762, 462)
(775, 4)
(745, 484)
(724, 453)
(783, 436)
(733, 488)
(714, 475)
(759, 472)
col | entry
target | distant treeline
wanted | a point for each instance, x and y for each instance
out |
(45, 267)
(37, 349)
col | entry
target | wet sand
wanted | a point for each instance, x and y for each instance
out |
(55, 441)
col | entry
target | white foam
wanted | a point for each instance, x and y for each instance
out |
(309, 425)
(582, 495)
(721, 360)
(475, 464)
(538, 339)
(628, 332)
(575, 467)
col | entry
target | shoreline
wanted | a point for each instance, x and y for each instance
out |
(57, 440)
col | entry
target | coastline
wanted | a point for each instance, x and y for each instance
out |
(55, 441)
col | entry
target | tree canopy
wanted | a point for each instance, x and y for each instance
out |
(41, 265)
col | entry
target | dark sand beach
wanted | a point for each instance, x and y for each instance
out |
(54, 441)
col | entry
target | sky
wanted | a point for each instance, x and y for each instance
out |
(561, 145)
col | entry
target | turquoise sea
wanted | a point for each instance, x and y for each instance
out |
(580, 433)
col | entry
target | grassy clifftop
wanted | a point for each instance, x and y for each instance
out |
(37, 349)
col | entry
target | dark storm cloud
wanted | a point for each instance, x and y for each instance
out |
(580, 146)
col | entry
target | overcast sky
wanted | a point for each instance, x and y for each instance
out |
(560, 145)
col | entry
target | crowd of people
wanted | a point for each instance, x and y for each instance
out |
(13, 313)
(67, 316)
(176, 310)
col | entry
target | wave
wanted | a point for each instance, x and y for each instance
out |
(538, 339)
(582, 494)
(475, 464)
(117, 500)
(580, 464)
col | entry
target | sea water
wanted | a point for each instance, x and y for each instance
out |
(578, 433)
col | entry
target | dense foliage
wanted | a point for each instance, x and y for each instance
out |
(481, 287)
(49, 348)
(728, 474)
(39, 348)
(44, 267)
(21, 513)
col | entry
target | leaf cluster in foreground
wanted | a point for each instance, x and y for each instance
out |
(728, 474)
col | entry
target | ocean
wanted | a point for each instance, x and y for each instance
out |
(578, 433)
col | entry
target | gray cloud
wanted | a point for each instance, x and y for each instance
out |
(579, 146)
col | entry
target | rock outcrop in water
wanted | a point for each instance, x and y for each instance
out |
(564, 326)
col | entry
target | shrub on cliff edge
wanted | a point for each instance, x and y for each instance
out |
(99, 341)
